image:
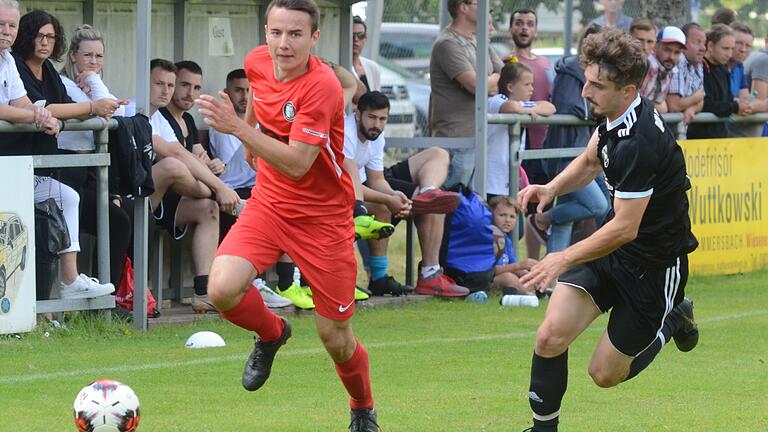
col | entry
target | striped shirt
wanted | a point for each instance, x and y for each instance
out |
(687, 79)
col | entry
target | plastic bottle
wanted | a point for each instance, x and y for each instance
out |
(296, 275)
(520, 300)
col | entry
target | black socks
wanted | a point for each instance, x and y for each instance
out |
(200, 283)
(549, 380)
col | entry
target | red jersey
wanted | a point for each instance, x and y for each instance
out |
(310, 109)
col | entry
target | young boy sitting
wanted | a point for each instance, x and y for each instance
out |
(508, 270)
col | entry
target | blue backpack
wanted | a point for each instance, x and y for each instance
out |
(468, 236)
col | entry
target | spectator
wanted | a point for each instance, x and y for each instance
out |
(612, 16)
(508, 270)
(718, 98)
(739, 83)
(644, 30)
(523, 27)
(588, 206)
(82, 77)
(238, 174)
(40, 40)
(756, 70)
(686, 83)
(515, 91)
(723, 15)
(453, 79)
(741, 50)
(407, 188)
(661, 63)
(185, 188)
(365, 69)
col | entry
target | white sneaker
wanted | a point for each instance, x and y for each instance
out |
(85, 287)
(271, 298)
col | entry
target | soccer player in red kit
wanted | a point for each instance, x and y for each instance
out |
(302, 204)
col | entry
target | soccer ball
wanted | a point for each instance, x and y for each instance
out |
(106, 406)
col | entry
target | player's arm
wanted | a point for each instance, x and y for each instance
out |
(351, 167)
(620, 230)
(225, 196)
(378, 190)
(582, 170)
(468, 80)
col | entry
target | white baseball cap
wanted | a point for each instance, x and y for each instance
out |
(671, 34)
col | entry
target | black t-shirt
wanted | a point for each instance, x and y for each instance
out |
(192, 138)
(53, 91)
(640, 157)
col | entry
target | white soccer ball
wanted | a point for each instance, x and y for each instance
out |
(205, 339)
(106, 406)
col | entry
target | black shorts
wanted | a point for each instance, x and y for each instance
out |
(474, 281)
(639, 298)
(165, 215)
(399, 178)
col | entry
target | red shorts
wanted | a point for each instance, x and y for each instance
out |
(324, 252)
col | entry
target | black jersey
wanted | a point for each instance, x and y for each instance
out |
(641, 158)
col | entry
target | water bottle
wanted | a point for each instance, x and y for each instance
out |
(520, 300)
(296, 275)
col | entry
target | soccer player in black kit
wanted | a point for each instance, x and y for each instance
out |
(636, 265)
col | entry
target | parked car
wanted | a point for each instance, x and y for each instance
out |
(402, 113)
(13, 248)
(409, 45)
(418, 92)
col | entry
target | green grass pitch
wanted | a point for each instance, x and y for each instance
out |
(436, 366)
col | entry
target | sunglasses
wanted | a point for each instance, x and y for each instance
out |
(359, 35)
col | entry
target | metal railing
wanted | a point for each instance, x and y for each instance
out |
(101, 160)
(516, 122)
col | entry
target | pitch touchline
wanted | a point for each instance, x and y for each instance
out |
(15, 379)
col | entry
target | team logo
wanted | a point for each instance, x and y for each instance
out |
(605, 156)
(289, 111)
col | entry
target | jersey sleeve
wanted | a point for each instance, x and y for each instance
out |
(636, 163)
(495, 103)
(320, 103)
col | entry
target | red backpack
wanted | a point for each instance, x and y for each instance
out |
(124, 294)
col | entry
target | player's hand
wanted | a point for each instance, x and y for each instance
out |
(51, 126)
(688, 115)
(545, 273)
(745, 109)
(219, 115)
(227, 199)
(541, 194)
(216, 166)
(250, 159)
(399, 205)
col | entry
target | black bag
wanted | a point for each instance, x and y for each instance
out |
(50, 227)
(130, 146)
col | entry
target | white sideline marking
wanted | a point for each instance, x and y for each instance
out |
(16, 379)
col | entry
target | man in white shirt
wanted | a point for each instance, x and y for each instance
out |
(409, 188)
(15, 106)
(186, 191)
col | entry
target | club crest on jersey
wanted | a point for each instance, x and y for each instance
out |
(605, 156)
(289, 111)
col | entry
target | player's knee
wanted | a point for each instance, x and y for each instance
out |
(550, 342)
(211, 209)
(439, 154)
(220, 288)
(604, 378)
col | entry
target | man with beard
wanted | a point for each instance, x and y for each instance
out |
(663, 60)
(409, 188)
(636, 265)
(686, 82)
(523, 27)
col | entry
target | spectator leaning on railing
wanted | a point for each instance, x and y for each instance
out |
(718, 98)
(40, 39)
(686, 83)
(756, 70)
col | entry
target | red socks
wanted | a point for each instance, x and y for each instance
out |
(252, 314)
(355, 374)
